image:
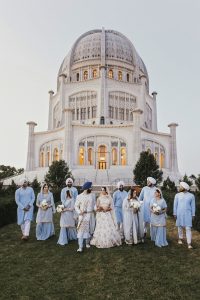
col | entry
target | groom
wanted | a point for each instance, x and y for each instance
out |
(84, 207)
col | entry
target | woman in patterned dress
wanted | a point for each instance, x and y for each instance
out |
(105, 234)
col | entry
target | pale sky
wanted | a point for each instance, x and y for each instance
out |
(36, 35)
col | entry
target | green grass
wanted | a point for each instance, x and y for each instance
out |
(44, 270)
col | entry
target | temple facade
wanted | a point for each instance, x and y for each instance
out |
(102, 115)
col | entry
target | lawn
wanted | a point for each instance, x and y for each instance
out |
(44, 270)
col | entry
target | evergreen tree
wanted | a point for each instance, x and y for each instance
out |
(197, 182)
(169, 185)
(187, 180)
(35, 184)
(57, 174)
(11, 188)
(8, 171)
(146, 167)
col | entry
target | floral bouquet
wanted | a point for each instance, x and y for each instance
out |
(156, 208)
(44, 204)
(135, 205)
(60, 208)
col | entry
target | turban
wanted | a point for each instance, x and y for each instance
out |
(120, 183)
(69, 180)
(184, 185)
(22, 180)
(151, 179)
(87, 185)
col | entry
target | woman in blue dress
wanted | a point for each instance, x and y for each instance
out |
(44, 219)
(158, 208)
(67, 220)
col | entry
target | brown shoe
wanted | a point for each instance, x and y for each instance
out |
(25, 238)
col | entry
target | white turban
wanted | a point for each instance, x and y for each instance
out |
(151, 179)
(184, 185)
(69, 180)
(22, 180)
(120, 183)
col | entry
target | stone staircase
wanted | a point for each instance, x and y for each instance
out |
(101, 178)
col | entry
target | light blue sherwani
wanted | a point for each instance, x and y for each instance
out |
(23, 198)
(72, 190)
(146, 195)
(184, 209)
(118, 198)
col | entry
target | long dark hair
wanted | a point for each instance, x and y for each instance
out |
(131, 193)
(43, 186)
(104, 189)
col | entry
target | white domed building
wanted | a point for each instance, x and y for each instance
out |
(101, 116)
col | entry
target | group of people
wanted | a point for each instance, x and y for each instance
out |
(106, 221)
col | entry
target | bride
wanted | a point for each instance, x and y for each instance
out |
(105, 234)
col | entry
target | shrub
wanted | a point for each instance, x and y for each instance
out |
(8, 210)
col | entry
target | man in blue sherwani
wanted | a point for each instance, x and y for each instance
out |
(184, 212)
(24, 197)
(146, 195)
(118, 198)
(69, 187)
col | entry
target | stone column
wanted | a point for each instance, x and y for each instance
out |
(142, 104)
(173, 150)
(137, 148)
(30, 163)
(102, 107)
(154, 117)
(50, 121)
(62, 95)
(68, 138)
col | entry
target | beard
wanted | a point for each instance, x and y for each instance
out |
(69, 185)
(121, 189)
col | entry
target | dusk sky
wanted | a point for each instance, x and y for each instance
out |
(36, 35)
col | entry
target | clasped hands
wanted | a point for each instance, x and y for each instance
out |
(101, 209)
(27, 208)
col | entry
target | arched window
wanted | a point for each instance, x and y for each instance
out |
(123, 156)
(85, 75)
(110, 74)
(94, 73)
(102, 157)
(127, 77)
(90, 156)
(42, 159)
(114, 156)
(55, 155)
(149, 150)
(120, 75)
(162, 160)
(48, 159)
(81, 156)
(102, 120)
(77, 76)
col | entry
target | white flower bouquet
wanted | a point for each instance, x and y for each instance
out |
(60, 208)
(156, 208)
(135, 205)
(44, 204)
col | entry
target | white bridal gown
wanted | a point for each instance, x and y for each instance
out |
(105, 234)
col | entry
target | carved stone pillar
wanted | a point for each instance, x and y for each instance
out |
(67, 155)
(30, 164)
(173, 150)
(137, 148)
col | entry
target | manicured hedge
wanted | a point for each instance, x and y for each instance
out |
(8, 210)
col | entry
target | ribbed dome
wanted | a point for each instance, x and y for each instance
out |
(93, 45)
